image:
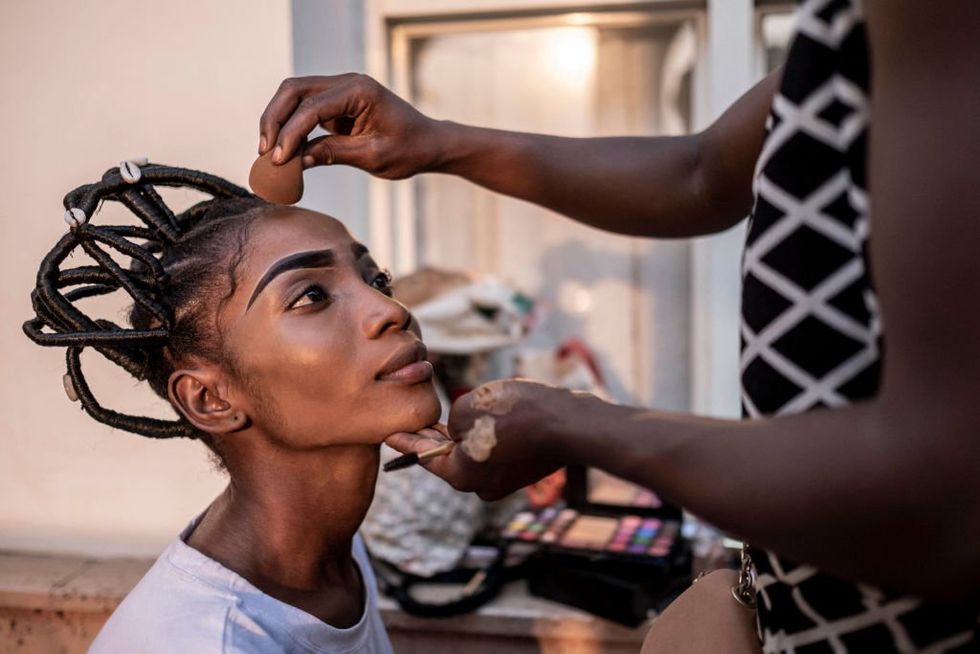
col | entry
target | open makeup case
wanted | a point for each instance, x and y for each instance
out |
(610, 548)
(607, 547)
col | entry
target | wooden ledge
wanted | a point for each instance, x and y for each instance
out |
(67, 583)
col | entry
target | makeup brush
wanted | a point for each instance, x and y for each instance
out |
(414, 458)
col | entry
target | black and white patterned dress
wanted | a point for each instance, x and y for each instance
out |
(811, 333)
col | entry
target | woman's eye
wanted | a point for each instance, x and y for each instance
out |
(311, 295)
(382, 282)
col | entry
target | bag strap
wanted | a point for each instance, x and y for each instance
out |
(744, 590)
(482, 586)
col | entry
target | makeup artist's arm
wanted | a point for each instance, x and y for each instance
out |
(663, 186)
(886, 491)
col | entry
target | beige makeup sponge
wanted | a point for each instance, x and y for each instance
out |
(279, 184)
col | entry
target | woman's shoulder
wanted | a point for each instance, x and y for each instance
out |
(171, 609)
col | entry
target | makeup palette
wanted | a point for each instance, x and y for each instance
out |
(570, 529)
(611, 548)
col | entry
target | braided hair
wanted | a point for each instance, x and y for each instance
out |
(171, 282)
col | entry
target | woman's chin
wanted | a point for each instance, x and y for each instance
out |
(424, 412)
(406, 414)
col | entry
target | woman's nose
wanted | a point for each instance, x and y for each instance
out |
(385, 314)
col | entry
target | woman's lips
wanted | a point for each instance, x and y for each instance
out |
(407, 365)
(414, 373)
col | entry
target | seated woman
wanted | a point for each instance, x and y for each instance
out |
(274, 336)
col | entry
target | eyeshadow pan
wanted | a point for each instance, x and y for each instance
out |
(590, 532)
(517, 524)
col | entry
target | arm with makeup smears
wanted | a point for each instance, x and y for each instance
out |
(886, 491)
(652, 186)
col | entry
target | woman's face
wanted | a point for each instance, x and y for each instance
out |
(322, 354)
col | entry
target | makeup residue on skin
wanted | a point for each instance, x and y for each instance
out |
(480, 439)
(496, 398)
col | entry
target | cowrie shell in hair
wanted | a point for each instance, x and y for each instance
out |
(130, 171)
(75, 217)
(69, 387)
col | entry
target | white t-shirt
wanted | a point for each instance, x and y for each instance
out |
(188, 602)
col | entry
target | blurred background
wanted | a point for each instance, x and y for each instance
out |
(86, 85)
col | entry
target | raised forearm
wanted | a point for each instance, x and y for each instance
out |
(629, 185)
(650, 186)
(849, 490)
(668, 187)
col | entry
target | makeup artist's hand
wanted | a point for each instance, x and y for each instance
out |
(370, 127)
(528, 426)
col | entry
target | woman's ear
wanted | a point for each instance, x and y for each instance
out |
(194, 391)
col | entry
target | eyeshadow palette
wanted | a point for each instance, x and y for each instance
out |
(569, 529)
(605, 489)
(595, 491)
(616, 551)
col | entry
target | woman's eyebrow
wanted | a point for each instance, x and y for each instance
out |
(310, 259)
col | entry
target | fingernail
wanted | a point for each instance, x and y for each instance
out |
(308, 161)
(262, 145)
(277, 154)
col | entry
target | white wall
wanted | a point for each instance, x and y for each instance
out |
(328, 38)
(716, 271)
(85, 84)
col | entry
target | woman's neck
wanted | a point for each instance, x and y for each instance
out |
(287, 519)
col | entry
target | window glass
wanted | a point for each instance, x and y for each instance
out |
(627, 299)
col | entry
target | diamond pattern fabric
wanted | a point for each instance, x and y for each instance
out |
(811, 331)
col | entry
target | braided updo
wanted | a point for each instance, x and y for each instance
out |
(171, 281)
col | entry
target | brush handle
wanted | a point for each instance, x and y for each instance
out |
(413, 458)
(445, 448)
